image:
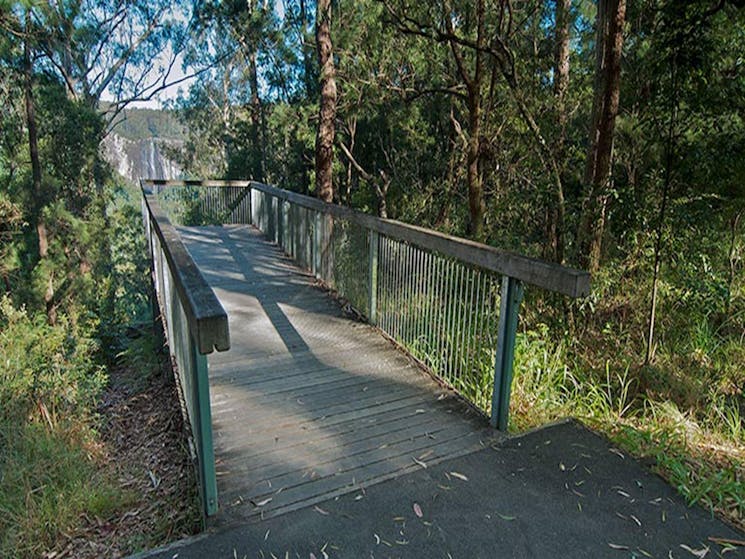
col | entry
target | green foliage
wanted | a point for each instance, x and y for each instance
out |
(49, 372)
(49, 385)
(48, 480)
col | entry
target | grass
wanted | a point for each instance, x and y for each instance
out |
(693, 432)
(49, 478)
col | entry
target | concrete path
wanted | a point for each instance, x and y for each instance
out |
(559, 492)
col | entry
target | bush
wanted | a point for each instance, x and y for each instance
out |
(49, 383)
(48, 372)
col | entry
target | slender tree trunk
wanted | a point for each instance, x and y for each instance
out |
(257, 120)
(555, 210)
(310, 89)
(473, 103)
(473, 171)
(38, 194)
(561, 67)
(660, 233)
(610, 21)
(327, 109)
(731, 259)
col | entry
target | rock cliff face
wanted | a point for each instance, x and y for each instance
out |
(141, 159)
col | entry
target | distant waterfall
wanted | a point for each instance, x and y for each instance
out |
(136, 159)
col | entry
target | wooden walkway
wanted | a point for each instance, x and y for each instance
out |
(309, 404)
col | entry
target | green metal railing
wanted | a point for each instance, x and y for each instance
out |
(195, 324)
(451, 302)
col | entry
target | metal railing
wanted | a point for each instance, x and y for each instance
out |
(195, 324)
(451, 302)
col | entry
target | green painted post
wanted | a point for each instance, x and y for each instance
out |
(372, 276)
(203, 436)
(511, 296)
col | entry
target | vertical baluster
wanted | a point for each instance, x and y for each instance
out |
(483, 319)
(394, 262)
(447, 301)
(406, 296)
(389, 274)
(462, 318)
(399, 289)
(372, 275)
(470, 323)
(416, 298)
(387, 286)
(434, 289)
(457, 318)
(441, 308)
(382, 276)
(429, 286)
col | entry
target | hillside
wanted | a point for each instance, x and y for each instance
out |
(139, 124)
(134, 147)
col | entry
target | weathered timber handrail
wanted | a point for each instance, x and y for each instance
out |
(194, 182)
(546, 275)
(195, 324)
(207, 320)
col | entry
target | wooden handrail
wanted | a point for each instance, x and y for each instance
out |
(546, 275)
(533, 271)
(207, 320)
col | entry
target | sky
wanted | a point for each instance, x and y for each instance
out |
(178, 71)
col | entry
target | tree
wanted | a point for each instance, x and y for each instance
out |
(611, 15)
(327, 105)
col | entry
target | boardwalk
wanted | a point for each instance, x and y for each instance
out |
(308, 403)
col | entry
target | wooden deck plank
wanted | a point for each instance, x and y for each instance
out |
(263, 452)
(321, 489)
(331, 458)
(308, 399)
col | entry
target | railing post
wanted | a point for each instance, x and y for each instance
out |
(204, 425)
(510, 297)
(317, 244)
(372, 276)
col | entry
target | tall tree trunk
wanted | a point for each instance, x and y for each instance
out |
(33, 148)
(327, 109)
(257, 120)
(561, 66)
(473, 171)
(555, 210)
(257, 110)
(610, 21)
(473, 103)
(307, 53)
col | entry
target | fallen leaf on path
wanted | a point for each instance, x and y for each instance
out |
(728, 541)
(459, 476)
(617, 453)
(319, 510)
(506, 517)
(700, 553)
(419, 462)
(418, 510)
(616, 546)
(263, 502)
